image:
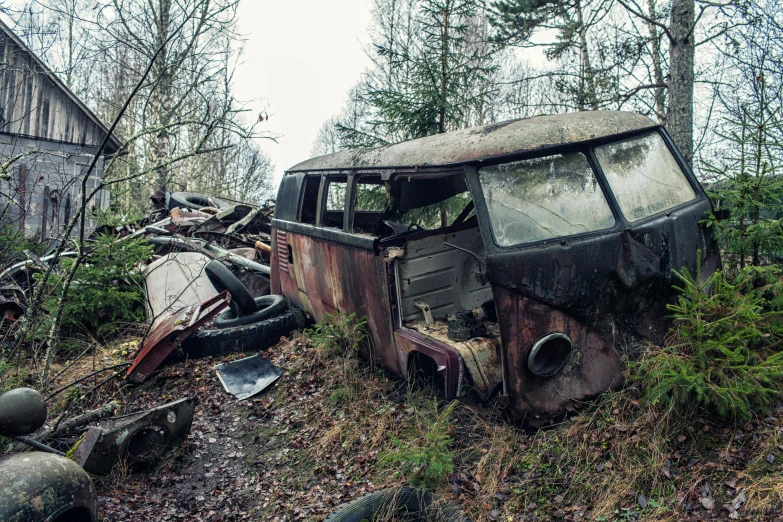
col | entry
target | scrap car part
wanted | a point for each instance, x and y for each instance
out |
(194, 201)
(141, 438)
(12, 305)
(22, 411)
(169, 333)
(43, 487)
(23, 265)
(175, 281)
(207, 248)
(247, 377)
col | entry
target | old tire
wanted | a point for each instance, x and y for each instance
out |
(399, 501)
(195, 201)
(268, 306)
(251, 337)
(241, 302)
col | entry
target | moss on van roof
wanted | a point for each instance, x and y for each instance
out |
(479, 143)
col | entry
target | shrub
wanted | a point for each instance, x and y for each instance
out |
(426, 460)
(13, 243)
(338, 335)
(720, 359)
(106, 287)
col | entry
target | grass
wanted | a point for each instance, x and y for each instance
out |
(620, 458)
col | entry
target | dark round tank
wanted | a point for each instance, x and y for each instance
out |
(22, 411)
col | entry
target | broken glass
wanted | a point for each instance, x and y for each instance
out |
(644, 176)
(543, 198)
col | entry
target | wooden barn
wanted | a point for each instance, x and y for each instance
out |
(48, 138)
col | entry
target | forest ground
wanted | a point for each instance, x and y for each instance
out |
(329, 432)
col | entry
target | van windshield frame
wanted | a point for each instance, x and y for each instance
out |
(589, 151)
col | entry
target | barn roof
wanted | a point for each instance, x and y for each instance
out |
(480, 143)
(46, 109)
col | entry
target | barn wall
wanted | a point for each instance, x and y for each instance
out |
(31, 104)
(44, 168)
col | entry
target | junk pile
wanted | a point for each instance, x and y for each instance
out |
(207, 293)
(97, 442)
(206, 284)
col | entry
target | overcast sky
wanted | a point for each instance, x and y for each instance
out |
(301, 58)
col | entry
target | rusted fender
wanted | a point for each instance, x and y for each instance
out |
(22, 411)
(38, 486)
(141, 438)
(169, 333)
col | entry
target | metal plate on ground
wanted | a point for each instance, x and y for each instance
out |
(247, 377)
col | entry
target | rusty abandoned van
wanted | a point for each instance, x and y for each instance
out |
(524, 259)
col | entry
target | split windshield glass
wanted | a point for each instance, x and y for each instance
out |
(543, 198)
(559, 195)
(644, 176)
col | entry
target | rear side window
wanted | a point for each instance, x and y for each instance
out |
(644, 176)
(335, 195)
(370, 196)
(335, 203)
(544, 198)
(310, 199)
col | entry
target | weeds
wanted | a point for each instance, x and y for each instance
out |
(425, 459)
(338, 335)
(338, 340)
(106, 287)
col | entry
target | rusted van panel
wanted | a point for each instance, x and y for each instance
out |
(327, 278)
(593, 366)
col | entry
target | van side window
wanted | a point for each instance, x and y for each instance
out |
(310, 200)
(335, 202)
(370, 202)
(430, 203)
(370, 195)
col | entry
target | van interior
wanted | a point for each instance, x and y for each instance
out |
(430, 224)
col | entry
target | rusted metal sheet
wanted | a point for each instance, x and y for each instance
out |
(485, 142)
(169, 333)
(447, 359)
(593, 366)
(247, 377)
(328, 278)
(141, 438)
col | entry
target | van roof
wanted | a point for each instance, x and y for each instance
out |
(481, 143)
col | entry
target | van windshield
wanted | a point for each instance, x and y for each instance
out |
(543, 198)
(644, 176)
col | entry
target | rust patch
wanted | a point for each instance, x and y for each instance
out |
(593, 366)
(481, 355)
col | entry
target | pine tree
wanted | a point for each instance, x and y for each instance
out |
(436, 83)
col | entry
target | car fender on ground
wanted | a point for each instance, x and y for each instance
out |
(37, 486)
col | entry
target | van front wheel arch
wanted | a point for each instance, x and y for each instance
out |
(423, 371)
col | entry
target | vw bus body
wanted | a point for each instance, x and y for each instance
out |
(524, 258)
